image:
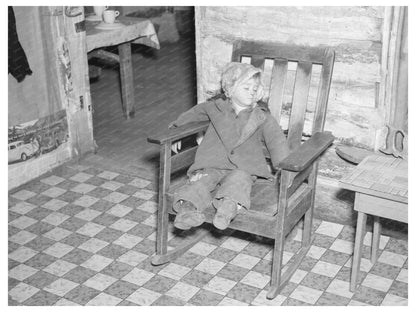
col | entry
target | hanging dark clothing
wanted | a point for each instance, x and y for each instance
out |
(18, 64)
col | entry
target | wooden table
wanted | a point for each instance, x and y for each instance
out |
(380, 183)
(135, 30)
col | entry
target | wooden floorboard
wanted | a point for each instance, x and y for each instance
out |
(165, 86)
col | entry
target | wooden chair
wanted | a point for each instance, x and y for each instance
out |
(274, 212)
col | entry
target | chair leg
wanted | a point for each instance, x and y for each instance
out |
(162, 211)
(308, 218)
(275, 279)
(307, 227)
(280, 281)
(162, 231)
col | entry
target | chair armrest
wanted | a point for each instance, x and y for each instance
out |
(177, 133)
(300, 158)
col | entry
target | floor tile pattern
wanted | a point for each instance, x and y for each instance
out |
(84, 235)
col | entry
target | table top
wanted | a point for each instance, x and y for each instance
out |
(136, 30)
(381, 176)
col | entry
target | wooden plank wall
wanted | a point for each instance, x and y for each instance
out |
(354, 32)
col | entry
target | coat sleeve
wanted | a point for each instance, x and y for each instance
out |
(275, 140)
(196, 113)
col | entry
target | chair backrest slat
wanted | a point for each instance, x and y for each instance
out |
(277, 87)
(282, 79)
(323, 91)
(315, 55)
(299, 102)
(258, 61)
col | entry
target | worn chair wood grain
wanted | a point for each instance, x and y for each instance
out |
(276, 209)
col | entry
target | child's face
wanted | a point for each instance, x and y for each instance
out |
(244, 95)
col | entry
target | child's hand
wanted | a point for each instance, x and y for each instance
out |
(176, 146)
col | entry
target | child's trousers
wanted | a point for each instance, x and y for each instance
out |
(232, 184)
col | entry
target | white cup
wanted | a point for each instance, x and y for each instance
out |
(109, 16)
(98, 10)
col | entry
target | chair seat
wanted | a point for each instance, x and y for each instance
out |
(263, 195)
(259, 220)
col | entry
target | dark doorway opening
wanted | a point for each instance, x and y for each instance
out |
(165, 86)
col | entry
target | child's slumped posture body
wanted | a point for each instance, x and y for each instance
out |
(230, 157)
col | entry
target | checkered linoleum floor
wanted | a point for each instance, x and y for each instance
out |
(84, 236)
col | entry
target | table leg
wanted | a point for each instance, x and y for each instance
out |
(126, 77)
(359, 238)
(376, 238)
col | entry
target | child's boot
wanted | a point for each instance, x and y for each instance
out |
(226, 212)
(188, 216)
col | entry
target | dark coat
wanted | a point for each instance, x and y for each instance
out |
(232, 141)
(18, 64)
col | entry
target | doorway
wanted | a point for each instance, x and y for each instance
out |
(164, 84)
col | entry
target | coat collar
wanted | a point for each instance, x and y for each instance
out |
(224, 105)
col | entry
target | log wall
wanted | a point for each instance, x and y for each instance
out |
(354, 32)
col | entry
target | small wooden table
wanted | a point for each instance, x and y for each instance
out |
(380, 183)
(135, 30)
